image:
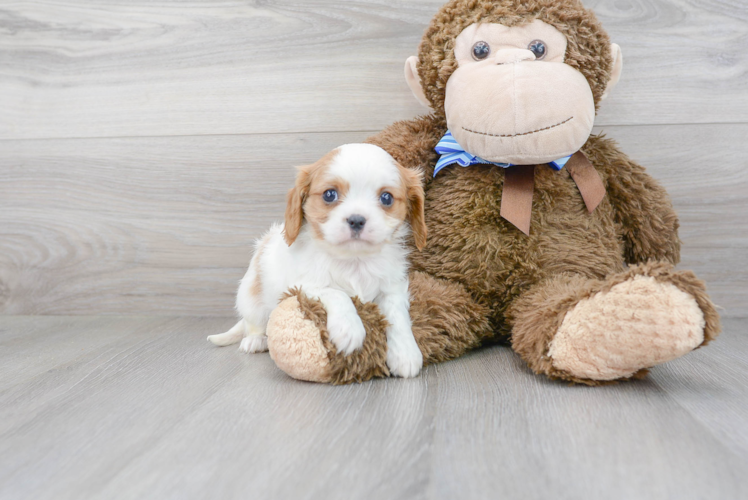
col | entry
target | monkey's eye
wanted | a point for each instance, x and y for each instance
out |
(538, 48)
(330, 196)
(481, 50)
(386, 199)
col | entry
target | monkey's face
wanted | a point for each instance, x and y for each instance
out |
(512, 98)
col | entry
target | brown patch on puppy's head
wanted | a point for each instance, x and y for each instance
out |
(298, 195)
(316, 211)
(413, 185)
(408, 204)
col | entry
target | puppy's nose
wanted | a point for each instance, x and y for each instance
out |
(356, 222)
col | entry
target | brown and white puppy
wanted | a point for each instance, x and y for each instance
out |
(344, 235)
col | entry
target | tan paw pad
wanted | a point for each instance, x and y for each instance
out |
(637, 324)
(295, 343)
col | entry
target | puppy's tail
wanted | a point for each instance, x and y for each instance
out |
(233, 336)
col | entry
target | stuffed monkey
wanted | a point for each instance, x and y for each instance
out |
(539, 234)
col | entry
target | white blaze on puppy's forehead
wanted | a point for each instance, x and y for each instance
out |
(364, 166)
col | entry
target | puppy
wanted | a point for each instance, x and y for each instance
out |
(346, 222)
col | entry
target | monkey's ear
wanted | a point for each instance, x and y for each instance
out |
(615, 73)
(414, 81)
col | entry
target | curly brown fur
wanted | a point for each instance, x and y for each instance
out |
(492, 258)
(446, 320)
(496, 262)
(643, 207)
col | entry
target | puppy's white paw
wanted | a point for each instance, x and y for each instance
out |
(346, 331)
(254, 343)
(404, 358)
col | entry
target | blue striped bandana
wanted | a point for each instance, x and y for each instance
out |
(453, 153)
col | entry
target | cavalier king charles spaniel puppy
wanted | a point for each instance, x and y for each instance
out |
(346, 226)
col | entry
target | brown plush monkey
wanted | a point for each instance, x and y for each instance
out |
(548, 237)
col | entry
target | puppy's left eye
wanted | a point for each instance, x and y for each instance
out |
(330, 196)
(386, 199)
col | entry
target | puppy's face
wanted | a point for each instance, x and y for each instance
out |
(355, 198)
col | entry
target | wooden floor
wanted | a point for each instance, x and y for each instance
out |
(145, 143)
(144, 407)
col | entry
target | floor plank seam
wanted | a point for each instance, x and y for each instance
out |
(322, 132)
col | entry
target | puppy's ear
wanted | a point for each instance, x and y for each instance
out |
(295, 205)
(413, 181)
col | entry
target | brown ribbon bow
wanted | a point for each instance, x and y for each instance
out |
(519, 184)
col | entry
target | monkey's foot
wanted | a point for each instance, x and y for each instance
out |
(636, 324)
(300, 344)
(598, 331)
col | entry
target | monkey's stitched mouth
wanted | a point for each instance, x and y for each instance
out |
(518, 135)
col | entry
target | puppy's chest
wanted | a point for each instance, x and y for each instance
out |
(357, 280)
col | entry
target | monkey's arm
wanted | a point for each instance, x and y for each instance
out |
(642, 207)
(412, 142)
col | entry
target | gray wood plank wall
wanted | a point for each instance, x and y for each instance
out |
(144, 145)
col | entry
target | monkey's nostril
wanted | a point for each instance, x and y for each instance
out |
(356, 222)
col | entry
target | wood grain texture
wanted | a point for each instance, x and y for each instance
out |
(717, 398)
(70, 68)
(540, 438)
(165, 225)
(136, 407)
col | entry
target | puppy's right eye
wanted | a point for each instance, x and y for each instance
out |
(330, 196)
(386, 199)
